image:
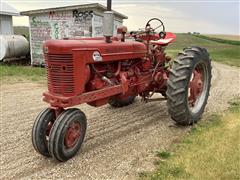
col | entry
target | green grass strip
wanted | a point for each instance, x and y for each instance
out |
(225, 41)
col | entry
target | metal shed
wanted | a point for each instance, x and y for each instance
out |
(6, 13)
(66, 22)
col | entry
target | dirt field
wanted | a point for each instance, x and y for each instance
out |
(119, 143)
(228, 37)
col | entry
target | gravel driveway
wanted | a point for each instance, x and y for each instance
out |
(119, 143)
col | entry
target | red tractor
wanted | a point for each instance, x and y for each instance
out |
(115, 70)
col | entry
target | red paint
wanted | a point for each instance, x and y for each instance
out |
(72, 135)
(169, 38)
(89, 70)
(195, 86)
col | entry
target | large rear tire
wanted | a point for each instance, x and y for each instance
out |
(67, 134)
(188, 85)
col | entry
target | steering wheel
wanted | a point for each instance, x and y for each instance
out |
(150, 28)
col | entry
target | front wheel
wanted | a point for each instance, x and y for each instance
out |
(40, 131)
(67, 134)
(188, 85)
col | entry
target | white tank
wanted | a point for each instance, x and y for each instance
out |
(12, 46)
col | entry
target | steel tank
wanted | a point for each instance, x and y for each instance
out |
(13, 46)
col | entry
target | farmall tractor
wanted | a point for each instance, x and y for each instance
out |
(114, 70)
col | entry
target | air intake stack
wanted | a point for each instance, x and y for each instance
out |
(108, 22)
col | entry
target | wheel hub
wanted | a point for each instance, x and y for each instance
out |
(72, 135)
(195, 86)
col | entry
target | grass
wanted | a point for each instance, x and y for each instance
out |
(223, 36)
(21, 30)
(230, 56)
(219, 52)
(225, 41)
(163, 154)
(13, 73)
(210, 151)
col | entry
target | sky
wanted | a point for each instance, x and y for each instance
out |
(204, 16)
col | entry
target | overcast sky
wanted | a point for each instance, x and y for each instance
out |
(212, 16)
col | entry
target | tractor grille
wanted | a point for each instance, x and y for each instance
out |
(60, 74)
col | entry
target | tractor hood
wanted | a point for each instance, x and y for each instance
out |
(116, 47)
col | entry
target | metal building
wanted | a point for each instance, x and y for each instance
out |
(6, 13)
(66, 22)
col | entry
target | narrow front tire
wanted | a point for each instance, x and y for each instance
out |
(67, 134)
(41, 129)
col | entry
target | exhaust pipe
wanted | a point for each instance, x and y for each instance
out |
(108, 22)
(109, 5)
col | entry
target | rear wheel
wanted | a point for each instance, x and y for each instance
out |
(41, 129)
(189, 85)
(67, 134)
(120, 101)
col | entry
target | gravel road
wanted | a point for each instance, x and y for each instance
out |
(119, 143)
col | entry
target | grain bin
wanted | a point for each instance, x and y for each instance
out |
(13, 46)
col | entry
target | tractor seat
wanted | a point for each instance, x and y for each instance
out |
(169, 38)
